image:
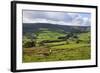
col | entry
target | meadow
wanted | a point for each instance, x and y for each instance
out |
(48, 45)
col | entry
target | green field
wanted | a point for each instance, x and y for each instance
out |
(47, 45)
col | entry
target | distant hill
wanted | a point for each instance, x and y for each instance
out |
(34, 27)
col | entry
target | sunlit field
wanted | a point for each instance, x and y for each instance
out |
(52, 46)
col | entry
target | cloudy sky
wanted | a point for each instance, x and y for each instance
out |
(60, 18)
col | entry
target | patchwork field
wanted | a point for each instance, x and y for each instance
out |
(48, 45)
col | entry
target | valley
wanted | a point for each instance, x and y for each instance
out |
(43, 42)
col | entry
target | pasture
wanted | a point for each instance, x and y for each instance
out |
(46, 45)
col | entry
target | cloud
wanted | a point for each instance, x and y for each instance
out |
(60, 18)
(81, 20)
(39, 20)
(87, 21)
(73, 15)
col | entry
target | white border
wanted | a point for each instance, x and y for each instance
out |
(36, 65)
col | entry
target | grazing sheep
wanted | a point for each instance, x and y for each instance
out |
(50, 51)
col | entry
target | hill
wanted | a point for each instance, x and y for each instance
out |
(34, 27)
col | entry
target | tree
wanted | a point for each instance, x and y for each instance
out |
(28, 40)
(62, 37)
(28, 44)
(75, 36)
(77, 41)
(69, 35)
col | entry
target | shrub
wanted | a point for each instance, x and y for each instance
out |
(28, 44)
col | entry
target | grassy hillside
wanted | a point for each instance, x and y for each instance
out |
(49, 45)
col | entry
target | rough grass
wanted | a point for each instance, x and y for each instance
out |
(57, 54)
(48, 35)
(58, 51)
